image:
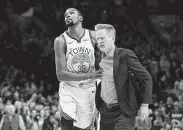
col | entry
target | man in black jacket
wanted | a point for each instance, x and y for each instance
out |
(116, 98)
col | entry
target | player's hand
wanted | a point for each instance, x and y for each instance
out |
(97, 74)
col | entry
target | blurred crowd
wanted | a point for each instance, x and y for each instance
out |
(28, 83)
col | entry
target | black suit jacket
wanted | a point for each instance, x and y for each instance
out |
(125, 61)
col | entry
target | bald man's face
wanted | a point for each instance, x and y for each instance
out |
(10, 109)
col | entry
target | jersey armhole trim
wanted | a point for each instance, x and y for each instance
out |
(91, 38)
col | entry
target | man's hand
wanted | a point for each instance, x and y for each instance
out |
(177, 123)
(97, 74)
(34, 96)
(143, 112)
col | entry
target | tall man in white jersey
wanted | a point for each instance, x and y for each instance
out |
(76, 60)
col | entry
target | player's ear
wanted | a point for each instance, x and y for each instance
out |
(80, 18)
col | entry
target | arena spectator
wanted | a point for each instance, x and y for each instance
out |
(11, 121)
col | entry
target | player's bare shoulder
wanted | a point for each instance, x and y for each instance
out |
(59, 43)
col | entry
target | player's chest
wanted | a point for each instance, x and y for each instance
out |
(80, 48)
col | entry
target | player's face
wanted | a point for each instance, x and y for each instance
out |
(104, 40)
(71, 17)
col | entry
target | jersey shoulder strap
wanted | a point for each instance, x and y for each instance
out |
(92, 38)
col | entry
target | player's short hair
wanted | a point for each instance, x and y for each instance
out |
(108, 27)
(79, 12)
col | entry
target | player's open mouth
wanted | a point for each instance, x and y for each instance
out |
(68, 20)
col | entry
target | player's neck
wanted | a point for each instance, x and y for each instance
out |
(76, 31)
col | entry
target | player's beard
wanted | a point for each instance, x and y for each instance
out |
(69, 24)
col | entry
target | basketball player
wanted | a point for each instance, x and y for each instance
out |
(75, 59)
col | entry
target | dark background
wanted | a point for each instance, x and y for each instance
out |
(152, 28)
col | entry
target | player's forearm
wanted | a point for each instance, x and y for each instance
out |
(69, 76)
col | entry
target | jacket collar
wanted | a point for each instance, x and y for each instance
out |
(111, 53)
(116, 51)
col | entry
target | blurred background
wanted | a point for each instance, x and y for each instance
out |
(152, 28)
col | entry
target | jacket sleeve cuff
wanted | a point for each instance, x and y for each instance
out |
(144, 104)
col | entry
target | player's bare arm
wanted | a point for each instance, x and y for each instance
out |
(61, 67)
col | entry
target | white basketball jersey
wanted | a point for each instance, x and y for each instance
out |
(80, 56)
